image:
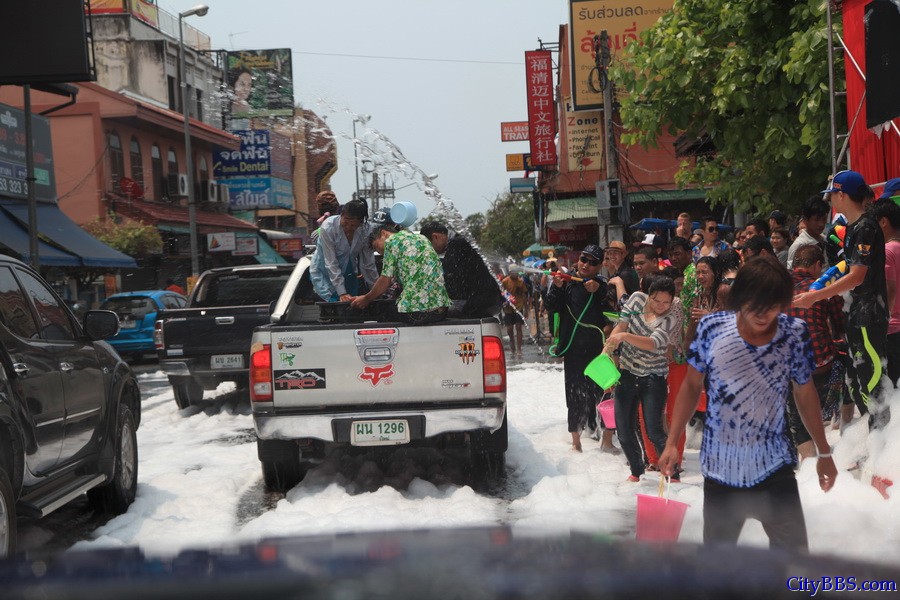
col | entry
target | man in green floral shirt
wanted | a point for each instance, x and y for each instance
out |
(411, 260)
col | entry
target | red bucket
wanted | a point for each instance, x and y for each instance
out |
(607, 410)
(658, 519)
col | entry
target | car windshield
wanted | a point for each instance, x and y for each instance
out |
(136, 307)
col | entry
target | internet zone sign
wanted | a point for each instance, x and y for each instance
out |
(541, 126)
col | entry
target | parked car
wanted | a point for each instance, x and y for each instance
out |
(69, 406)
(137, 315)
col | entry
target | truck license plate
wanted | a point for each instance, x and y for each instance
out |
(379, 433)
(127, 324)
(227, 361)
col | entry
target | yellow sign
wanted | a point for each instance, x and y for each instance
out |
(515, 162)
(623, 20)
(584, 139)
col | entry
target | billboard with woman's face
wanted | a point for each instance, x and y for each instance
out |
(260, 83)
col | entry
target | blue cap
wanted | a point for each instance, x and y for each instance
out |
(891, 188)
(848, 182)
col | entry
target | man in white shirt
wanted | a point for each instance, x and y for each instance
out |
(815, 214)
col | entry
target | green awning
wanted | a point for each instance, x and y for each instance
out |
(665, 195)
(570, 209)
(174, 228)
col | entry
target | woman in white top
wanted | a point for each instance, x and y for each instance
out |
(344, 258)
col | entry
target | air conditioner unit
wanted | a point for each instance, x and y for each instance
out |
(223, 193)
(209, 191)
(177, 185)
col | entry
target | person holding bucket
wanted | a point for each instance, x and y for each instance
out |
(749, 356)
(646, 326)
(581, 305)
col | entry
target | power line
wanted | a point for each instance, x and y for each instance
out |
(448, 60)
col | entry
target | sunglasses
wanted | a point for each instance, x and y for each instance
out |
(589, 260)
(712, 229)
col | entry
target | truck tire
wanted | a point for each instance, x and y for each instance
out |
(115, 496)
(281, 466)
(187, 392)
(7, 517)
(489, 454)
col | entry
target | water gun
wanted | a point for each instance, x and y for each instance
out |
(830, 276)
(563, 276)
(834, 239)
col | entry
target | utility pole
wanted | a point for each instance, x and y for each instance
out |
(603, 58)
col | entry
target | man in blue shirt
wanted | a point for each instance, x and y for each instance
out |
(749, 356)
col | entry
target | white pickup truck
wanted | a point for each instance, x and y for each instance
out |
(321, 375)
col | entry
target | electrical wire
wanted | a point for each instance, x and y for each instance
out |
(447, 60)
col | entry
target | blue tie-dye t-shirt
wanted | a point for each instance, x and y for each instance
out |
(746, 437)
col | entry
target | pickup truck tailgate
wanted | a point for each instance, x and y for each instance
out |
(375, 364)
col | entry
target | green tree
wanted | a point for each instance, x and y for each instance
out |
(129, 237)
(750, 74)
(475, 222)
(509, 225)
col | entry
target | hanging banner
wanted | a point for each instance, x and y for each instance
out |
(539, 94)
(623, 20)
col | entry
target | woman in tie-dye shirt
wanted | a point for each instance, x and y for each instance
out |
(748, 356)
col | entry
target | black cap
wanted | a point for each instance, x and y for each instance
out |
(381, 219)
(593, 250)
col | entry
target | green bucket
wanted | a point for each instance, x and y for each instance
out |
(603, 371)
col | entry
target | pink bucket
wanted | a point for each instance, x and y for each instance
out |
(658, 519)
(607, 410)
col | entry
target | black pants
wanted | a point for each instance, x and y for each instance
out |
(831, 387)
(868, 348)
(893, 357)
(582, 394)
(650, 393)
(775, 502)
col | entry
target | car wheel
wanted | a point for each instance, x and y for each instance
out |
(187, 392)
(116, 496)
(281, 464)
(489, 467)
(7, 517)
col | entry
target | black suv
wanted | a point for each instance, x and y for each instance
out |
(69, 406)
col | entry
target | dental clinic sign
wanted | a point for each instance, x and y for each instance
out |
(259, 192)
(253, 158)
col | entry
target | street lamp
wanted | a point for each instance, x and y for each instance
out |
(199, 10)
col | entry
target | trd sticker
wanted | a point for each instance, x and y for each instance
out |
(300, 379)
(376, 374)
(467, 352)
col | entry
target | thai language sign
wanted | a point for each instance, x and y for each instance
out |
(261, 83)
(259, 192)
(253, 158)
(623, 20)
(13, 177)
(539, 94)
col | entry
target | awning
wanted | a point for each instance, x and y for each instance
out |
(64, 232)
(15, 237)
(267, 254)
(571, 209)
(173, 215)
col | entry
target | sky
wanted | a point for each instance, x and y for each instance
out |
(458, 72)
(199, 484)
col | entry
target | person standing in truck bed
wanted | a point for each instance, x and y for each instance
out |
(343, 260)
(410, 259)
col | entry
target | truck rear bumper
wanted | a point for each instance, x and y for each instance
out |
(322, 426)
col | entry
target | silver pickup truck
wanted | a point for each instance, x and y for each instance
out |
(321, 375)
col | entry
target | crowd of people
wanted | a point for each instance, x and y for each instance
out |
(768, 333)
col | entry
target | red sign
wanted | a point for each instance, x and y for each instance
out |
(541, 124)
(514, 131)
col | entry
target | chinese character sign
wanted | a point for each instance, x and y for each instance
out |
(541, 124)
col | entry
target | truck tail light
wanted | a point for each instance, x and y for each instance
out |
(158, 339)
(261, 375)
(494, 365)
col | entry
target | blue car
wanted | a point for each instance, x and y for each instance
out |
(137, 315)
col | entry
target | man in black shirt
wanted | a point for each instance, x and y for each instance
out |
(580, 305)
(469, 283)
(867, 320)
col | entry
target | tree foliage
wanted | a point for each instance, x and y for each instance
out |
(475, 223)
(750, 74)
(509, 225)
(129, 237)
